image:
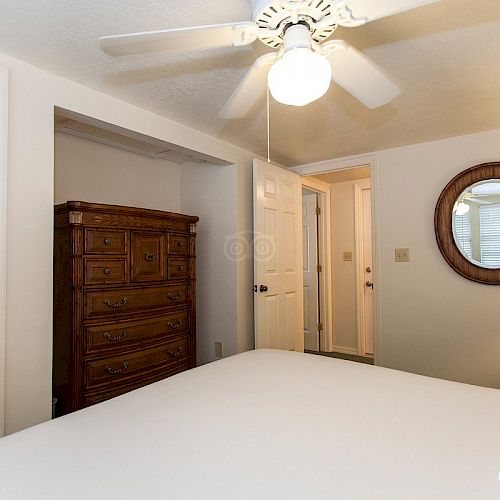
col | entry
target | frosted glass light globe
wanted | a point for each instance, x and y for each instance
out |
(300, 77)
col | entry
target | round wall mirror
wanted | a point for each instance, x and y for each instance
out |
(467, 223)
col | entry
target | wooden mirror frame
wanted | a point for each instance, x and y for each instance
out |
(443, 223)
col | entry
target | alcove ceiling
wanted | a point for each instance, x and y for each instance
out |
(443, 56)
(75, 124)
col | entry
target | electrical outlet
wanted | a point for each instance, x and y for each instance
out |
(218, 349)
(347, 256)
(402, 255)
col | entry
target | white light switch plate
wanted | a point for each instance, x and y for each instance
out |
(402, 255)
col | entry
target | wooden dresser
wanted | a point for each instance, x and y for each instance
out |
(124, 300)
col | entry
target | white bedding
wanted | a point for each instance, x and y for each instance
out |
(268, 425)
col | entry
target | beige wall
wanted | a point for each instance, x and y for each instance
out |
(93, 172)
(33, 95)
(433, 321)
(211, 194)
(345, 330)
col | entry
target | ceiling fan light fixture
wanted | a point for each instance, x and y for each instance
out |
(300, 77)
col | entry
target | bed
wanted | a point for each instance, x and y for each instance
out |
(268, 425)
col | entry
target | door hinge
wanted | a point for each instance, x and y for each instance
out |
(318, 210)
(320, 327)
(319, 268)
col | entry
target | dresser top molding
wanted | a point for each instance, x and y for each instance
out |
(96, 215)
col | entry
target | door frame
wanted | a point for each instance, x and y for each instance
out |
(322, 189)
(371, 160)
(4, 97)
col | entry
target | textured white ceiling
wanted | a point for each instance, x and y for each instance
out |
(445, 57)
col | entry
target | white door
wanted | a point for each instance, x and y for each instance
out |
(309, 269)
(278, 258)
(368, 272)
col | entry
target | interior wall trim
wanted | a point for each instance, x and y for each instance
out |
(4, 78)
(370, 160)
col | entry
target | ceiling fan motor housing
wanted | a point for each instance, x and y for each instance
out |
(274, 17)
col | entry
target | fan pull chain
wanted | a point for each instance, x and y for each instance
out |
(268, 128)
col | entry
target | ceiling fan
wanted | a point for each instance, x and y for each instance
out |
(303, 63)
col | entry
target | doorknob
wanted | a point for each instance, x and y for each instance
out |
(368, 269)
(369, 284)
(263, 288)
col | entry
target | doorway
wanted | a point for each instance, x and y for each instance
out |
(349, 245)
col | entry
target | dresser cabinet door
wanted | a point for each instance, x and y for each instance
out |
(148, 262)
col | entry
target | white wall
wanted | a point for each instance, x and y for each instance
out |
(211, 194)
(344, 295)
(93, 172)
(434, 322)
(33, 95)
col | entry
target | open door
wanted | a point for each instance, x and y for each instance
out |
(278, 302)
(310, 270)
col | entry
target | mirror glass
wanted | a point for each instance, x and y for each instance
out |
(476, 223)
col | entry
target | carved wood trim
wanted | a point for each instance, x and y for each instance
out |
(75, 217)
(443, 223)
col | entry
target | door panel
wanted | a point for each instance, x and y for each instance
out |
(148, 261)
(310, 261)
(278, 257)
(368, 270)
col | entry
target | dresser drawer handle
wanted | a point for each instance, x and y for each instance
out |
(107, 271)
(181, 244)
(174, 295)
(149, 257)
(109, 336)
(107, 242)
(117, 372)
(122, 303)
(176, 325)
(176, 353)
(181, 268)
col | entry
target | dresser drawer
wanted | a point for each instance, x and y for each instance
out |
(122, 301)
(128, 333)
(99, 395)
(128, 366)
(178, 269)
(178, 245)
(105, 271)
(105, 241)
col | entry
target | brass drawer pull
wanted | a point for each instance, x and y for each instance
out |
(176, 325)
(122, 303)
(176, 353)
(107, 270)
(117, 372)
(107, 242)
(174, 295)
(110, 337)
(181, 268)
(149, 257)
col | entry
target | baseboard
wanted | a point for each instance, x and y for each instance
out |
(345, 350)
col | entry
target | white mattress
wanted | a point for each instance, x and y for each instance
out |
(268, 425)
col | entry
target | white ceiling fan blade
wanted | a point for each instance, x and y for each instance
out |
(199, 37)
(359, 76)
(250, 88)
(376, 9)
